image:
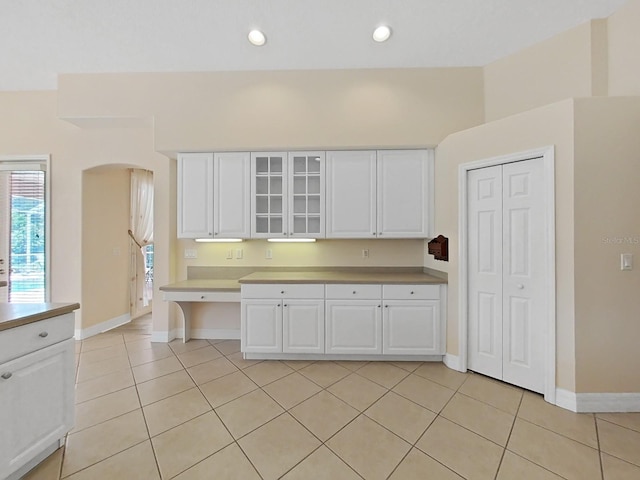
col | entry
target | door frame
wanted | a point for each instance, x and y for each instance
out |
(41, 162)
(548, 157)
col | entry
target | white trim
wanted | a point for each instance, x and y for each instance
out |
(212, 333)
(81, 334)
(453, 362)
(338, 356)
(548, 156)
(598, 402)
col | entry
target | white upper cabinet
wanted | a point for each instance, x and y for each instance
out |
(195, 195)
(351, 194)
(306, 194)
(269, 199)
(405, 193)
(213, 195)
(232, 193)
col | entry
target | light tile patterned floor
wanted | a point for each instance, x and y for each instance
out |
(199, 411)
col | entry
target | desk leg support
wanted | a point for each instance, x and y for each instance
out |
(186, 314)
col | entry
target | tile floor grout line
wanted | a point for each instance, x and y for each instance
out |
(595, 421)
(513, 423)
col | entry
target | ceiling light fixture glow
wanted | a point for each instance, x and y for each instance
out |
(257, 38)
(381, 33)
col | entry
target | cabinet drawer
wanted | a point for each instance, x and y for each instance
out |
(354, 291)
(283, 290)
(19, 341)
(202, 296)
(411, 292)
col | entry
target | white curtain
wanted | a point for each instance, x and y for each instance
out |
(141, 234)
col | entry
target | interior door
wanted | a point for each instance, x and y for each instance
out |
(506, 255)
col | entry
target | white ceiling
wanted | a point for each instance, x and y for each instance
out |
(41, 38)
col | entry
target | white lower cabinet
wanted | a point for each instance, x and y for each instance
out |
(354, 327)
(339, 319)
(36, 394)
(293, 322)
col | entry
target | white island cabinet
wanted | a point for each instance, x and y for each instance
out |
(37, 371)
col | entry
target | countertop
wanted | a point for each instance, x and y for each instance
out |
(342, 277)
(357, 275)
(17, 314)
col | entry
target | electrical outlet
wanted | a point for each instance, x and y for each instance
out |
(190, 253)
(268, 254)
(239, 253)
(626, 261)
(365, 253)
(229, 254)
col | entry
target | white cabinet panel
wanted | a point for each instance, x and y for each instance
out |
(412, 327)
(36, 403)
(261, 326)
(195, 195)
(353, 327)
(351, 194)
(405, 191)
(303, 326)
(306, 194)
(232, 193)
(269, 199)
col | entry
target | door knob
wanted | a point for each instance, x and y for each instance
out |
(520, 286)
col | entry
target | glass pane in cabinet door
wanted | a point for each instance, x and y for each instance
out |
(276, 185)
(262, 185)
(314, 204)
(299, 165)
(262, 165)
(299, 185)
(314, 224)
(299, 224)
(314, 164)
(276, 205)
(276, 225)
(314, 184)
(262, 224)
(276, 164)
(262, 204)
(299, 204)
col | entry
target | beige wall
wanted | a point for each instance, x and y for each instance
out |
(607, 224)
(551, 125)
(284, 109)
(105, 245)
(572, 64)
(624, 45)
(29, 125)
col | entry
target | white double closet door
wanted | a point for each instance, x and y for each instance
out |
(506, 273)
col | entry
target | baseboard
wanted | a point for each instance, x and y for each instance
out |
(197, 334)
(453, 362)
(83, 333)
(215, 333)
(598, 402)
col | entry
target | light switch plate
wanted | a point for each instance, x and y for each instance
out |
(268, 254)
(190, 253)
(626, 261)
(239, 253)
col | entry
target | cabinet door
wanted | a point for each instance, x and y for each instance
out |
(405, 191)
(351, 194)
(353, 327)
(306, 194)
(261, 326)
(303, 326)
(36, 403)
(269, 195)
(412, 327)
(195, 195)
(232, 208)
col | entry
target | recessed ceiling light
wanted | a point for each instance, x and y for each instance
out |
(382, 33)
(257, 38)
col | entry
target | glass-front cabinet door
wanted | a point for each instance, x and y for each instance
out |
(269, 205)
(306, 194)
